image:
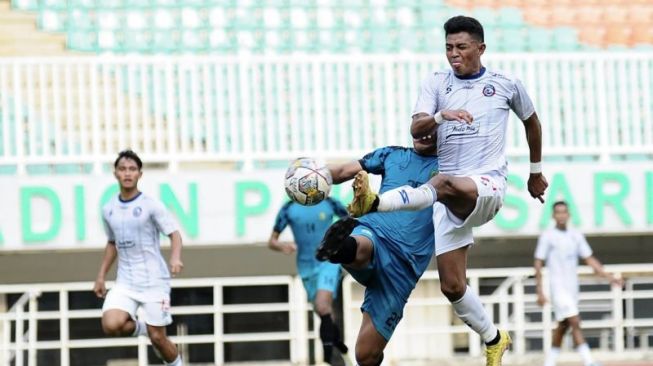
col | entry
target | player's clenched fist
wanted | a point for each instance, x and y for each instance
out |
(537, 184)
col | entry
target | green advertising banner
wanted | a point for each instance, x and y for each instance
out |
(224, 207)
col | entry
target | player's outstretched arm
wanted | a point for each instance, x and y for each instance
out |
(110, 254)
(596, 265)
(176, 265)
(537, 183)
(344, 172)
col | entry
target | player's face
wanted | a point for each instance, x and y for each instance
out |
(561, 215)
(127, 173)
(426, 146)
(464, 53)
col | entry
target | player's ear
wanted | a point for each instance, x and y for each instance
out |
(481, 48)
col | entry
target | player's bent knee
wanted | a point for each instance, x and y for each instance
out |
(453, 289)
(573, 322)
(323, 308)
(368, 357)
(113, 327)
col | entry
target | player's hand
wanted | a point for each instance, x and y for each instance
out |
(459, 115)
(616, 281)
(289, 248)
(176, 265)
(537, 184)
(99, 288)
(541, 299)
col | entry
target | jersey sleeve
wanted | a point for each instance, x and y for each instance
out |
(338, 208)
(282, 220)
(542, 249)
(162, 219)
(107, 228)
(521, 103)
(374, 162)
(427, 101)
(584, 249)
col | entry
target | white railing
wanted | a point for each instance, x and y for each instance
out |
(25, 339)
(428, 331)
(196, 108)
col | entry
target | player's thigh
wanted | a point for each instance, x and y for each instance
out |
(388, 290)
(491, 192)
(155, 305)
(119, 306)
(310, 285)
(450, 234)
(457, 193)
(369, 341)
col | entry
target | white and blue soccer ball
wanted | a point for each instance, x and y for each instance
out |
(308, 181)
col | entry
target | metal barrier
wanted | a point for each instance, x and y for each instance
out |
(82, 110)
(428, 330)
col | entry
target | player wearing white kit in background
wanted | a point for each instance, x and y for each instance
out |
(560, 247)
(133, 223)
(466, 109)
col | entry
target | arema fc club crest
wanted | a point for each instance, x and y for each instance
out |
(137, 211)
(488, 90)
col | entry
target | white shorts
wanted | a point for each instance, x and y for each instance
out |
(154, 304)
(451, 232)
(564, 306)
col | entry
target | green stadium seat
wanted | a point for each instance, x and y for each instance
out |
(540, 39)
(487, 16)
(80, 20)
(135, 41)
(30, 5)
(53, 4)
(565, 39)
(52, 20)
(511, 18)
(108, 19)
(83, 41)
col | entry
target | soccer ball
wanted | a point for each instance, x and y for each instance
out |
(308, 181)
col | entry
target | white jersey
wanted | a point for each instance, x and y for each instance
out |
(561, 250)
(478, 148)
(135, 226)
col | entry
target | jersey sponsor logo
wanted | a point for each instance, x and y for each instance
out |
(137, 211)
(488, 90)
(404, 196)
(455, 129)
(125, 243)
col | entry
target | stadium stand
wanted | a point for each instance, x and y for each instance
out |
(281, 27)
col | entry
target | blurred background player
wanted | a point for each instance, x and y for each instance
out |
(133, 223)
(386, 253)
(560, 247)
(321, 280)
(466, 108)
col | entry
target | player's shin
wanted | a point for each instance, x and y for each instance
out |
(330, 337)
(471, 311)
(407, 198)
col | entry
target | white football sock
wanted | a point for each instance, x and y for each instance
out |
(407, 198)
(176, 362)
(552, 357)
(140, 328)
(471, 311)
(584, 351)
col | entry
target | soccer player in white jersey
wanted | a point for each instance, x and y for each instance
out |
(466, 110)
(560, 247)
(133, 222)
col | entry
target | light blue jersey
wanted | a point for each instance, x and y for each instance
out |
(403, 240)
(308, 225)
(409, 233)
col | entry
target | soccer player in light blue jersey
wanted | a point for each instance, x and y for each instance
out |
(387, 253)
(321, 280)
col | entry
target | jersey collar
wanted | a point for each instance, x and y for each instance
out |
(129, 200)
(472, 76)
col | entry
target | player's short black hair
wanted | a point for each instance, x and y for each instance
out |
(461, 23)
(128, 154)
(560, 203)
